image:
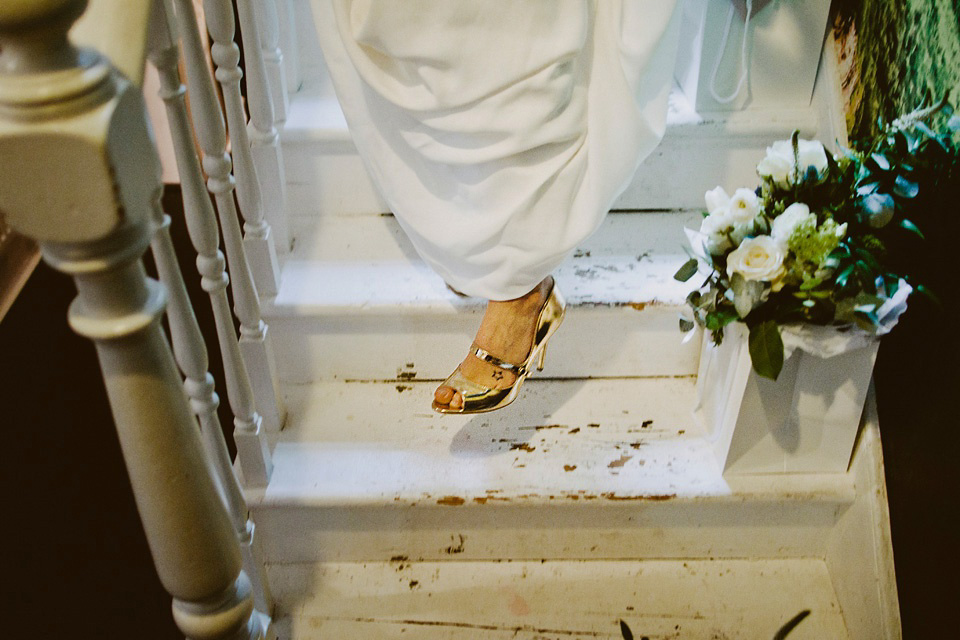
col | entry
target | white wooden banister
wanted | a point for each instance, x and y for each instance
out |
(67, 118)
(254, 386)
(268, 19)
(190, 353)
(287, 24)
(258, 240)
(252, 450)
(264, 138)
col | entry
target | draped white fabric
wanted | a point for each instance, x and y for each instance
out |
(500, 131)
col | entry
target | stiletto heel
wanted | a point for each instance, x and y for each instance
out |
(478, 398)
(543, 353)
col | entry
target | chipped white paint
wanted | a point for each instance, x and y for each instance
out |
(576, 469)
(356, 303)
(677, 599)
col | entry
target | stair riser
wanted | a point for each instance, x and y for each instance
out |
(578, 530)
(327, 177)
(593, 342)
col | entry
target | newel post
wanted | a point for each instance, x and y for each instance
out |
(80, 176)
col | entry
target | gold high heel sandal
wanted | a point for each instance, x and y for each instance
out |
(478, 398)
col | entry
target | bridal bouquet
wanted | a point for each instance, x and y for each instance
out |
(817, 243)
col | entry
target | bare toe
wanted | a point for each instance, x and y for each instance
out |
(444, 395)
(457, 401)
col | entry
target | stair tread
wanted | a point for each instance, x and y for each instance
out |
(454, 600)
(600, 441)
(365, 264)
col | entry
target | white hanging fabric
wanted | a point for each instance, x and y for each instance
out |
(500, 132)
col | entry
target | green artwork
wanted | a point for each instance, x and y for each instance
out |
(906, 50)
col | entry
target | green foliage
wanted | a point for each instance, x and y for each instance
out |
(851, 224)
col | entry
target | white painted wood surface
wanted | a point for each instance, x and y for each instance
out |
(657, 599)
(202, 226)
(255, 344)
(268, 18)
(357, 303)
(264, 138)
(259, 253)
(574, 469)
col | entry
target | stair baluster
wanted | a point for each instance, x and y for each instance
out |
(267, 154)
(190, 351)
(252, 450)
(254, 342)
(287, 26)
(68, 118)
(257, 237)
(258, 379)
(268, 19)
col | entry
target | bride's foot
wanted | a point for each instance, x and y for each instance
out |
(507, 332)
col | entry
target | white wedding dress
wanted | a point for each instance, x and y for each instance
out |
(500, 131)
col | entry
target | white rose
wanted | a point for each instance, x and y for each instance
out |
(716, 198)
(779, 164)
(757, 258)
(744, 206)
(811, 154)
(786, 223)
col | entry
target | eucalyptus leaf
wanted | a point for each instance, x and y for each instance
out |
(747, 294)
(844, 275)
(880, 206)
(686, 325)
(766, 349)
(953, 124)
(687, 271)
(906, 188)
(912, 228)
(880, 161)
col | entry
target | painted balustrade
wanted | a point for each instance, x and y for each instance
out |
(68, 118)
(267, 18)
(289, 42)
(258, 240)
(251, 389)
(189, 348)
(264, 138)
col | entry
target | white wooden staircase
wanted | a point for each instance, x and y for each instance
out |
(595, 498)
(594, 507)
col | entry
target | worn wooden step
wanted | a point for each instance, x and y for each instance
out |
(558, 600)
(356, 302)
(573, 469)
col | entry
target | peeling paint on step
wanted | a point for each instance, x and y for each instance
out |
(569, 467)
(451, 501)
(403, 387)
(654, 498)
(457, 546)
(619, 462)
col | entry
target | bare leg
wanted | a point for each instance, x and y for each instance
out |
(506, 332)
